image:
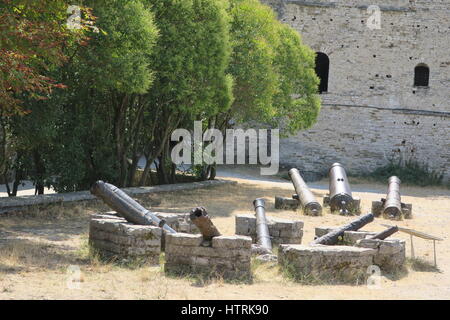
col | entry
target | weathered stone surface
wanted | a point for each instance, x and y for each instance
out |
(390, 253)
(321, 231)
(232, 242)
(228, 256)
(333, 264)
(180, 222)
(114, 237)
(407, 210)
(351, 237)
(284, 203)
(372, 112)
(280, 230)
(183, 239)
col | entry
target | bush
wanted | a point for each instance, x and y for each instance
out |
(410, 172)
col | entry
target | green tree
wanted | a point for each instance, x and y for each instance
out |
(273, 71)
(190, 62)
(33, 38)
(96, 120)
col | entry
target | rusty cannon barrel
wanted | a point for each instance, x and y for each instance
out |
(393, 205)
(340, 193)
(385, 233)
(332, 237)
(304, 195)
(199, 216)
(262, 230)
(127, 207)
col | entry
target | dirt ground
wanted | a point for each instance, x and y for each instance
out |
(36, 251)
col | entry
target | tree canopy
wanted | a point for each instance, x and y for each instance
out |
(83, 104)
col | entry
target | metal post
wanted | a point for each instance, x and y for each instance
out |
(412, 246)
(262, 230)
(434, 249)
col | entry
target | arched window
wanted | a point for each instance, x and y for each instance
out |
(421, 75)
(322, 69)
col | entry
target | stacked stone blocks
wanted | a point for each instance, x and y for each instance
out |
(330, 264)
(227, 257)
(116, 238)
(281, 230)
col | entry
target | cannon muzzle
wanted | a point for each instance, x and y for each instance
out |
(307, 200)
(393, 204)
(340, 193)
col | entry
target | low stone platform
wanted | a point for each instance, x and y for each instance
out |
(350, 237)
(281, 230)
(329, 264)
(180, 222)
(285, 203)
(115, 238)
(228, 256)
(390, 253)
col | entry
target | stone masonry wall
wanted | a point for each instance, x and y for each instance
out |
(332, 264)
(229, 256)
(180, 222)
(390, 253)
(280, 230)
(372, 112)
(114, 237)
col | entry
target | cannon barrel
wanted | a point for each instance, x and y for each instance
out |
(332, 237)
(262, 230)
(305, 196)
(385, 233)
(199, 216)
(127, 207)
(393, 205)
(340, 192)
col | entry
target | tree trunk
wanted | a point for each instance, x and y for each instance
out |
(213, 172)
(40, 172)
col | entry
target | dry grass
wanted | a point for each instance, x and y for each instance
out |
(39, 246)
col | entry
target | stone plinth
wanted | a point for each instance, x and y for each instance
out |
(390, 253)
(180, 222)
(329, 264)
(280, 230)
(228, 256)
(114, 237)
(284, 203)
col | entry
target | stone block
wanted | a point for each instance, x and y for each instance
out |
(228, 256)
(183, 239)
(114, 237)
(329, 264)
(231, 242)
(284, 203)
(390, 253)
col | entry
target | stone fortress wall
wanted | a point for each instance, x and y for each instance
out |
(372, 112)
